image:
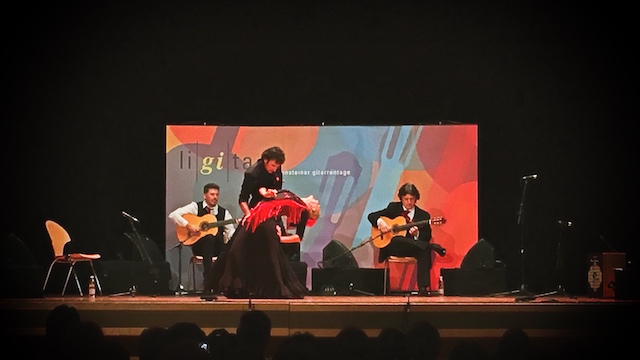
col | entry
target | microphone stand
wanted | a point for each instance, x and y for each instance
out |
(179, 289)
(525, 294)
(560, 290)
(136, 240)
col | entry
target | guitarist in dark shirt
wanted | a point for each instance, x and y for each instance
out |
(414, 242)
(205, 243)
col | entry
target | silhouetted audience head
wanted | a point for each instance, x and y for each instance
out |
(85, 340)
(60, 320)
(112, 350)
(423, 341)
(515, 345)
(468, 350)
(184, 349)
(185, 330)
(184, 337)
(392, 343)
(353, 342)
(151, 342)
(222, 344)
(254, 333)
(299, 346)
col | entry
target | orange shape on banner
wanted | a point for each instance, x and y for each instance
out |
(297, 144)
(189, 134)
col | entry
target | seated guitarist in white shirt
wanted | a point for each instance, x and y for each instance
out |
(416, 241)
(206, 243)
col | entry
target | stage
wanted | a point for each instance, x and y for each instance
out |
(556, 324)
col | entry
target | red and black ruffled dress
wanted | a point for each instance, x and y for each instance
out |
(253, 263)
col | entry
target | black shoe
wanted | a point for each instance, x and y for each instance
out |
(424, 291)
(439, 249)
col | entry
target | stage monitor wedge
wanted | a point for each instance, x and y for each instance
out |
(480, 256)
(336, 256)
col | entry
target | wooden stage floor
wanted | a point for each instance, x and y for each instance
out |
(557, 323)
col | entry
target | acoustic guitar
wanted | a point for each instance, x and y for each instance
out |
(207, 223)
(381, 239)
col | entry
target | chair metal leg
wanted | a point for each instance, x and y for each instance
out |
(192, 275)
(66, 282)
(387, 281)
(46, 279)
(75, 276)
(95, 275)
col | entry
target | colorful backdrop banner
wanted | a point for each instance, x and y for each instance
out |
(351, 170)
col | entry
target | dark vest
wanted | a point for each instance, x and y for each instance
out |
(220, 217)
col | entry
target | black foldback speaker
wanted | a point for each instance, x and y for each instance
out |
(474, 282)
(118, 276)
(15, 252)
(148, 250)
(337, 281)
(23, 277)
(480, 256)
(336, 255)
(479, 273)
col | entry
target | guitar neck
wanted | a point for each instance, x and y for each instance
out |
(412, 224)
(208, 225)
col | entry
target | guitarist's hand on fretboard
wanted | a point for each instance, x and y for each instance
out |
(413, 231)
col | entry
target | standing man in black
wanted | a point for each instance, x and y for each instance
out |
(263, 180)
(416, 241)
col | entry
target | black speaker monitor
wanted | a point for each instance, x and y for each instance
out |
(22, 276)
(356, 281)
(480, 256)
(336, 255)
(15, 252)
(147, 249)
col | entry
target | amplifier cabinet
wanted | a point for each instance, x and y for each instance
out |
(360, 281)
(601, 273)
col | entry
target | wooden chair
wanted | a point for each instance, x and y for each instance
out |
(403, 274)
(59, 238)
(194, 262)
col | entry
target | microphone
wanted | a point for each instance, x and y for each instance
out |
(530, 177)
(129, 217)
(564, 223)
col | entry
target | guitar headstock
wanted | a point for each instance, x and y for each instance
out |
(438, 220)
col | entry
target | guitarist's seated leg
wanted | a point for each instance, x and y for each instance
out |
(438, 249)
(401, 246)
(205, 247)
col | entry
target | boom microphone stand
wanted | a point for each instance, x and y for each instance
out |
(524, 294)
(179, 289)
(560, 290)
(135, 240)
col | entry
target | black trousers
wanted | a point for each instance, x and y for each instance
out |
(208, 246)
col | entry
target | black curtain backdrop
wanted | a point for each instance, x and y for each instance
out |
(90, 88)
